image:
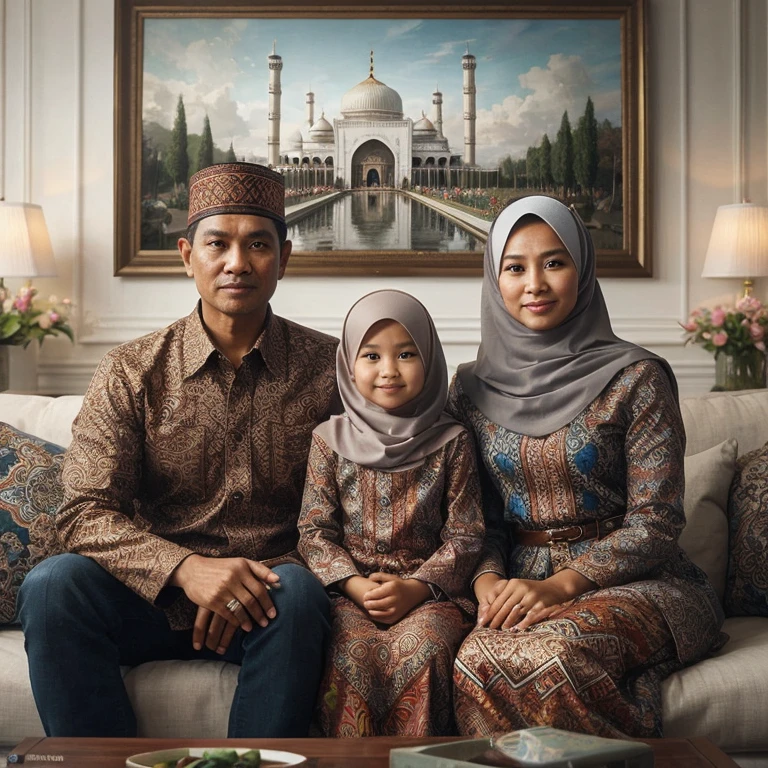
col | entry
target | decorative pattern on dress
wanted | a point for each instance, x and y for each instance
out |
(423, 523)
(623, 455)
(175, 451)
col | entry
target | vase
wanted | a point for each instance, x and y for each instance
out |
(18, 368)
(743, 371)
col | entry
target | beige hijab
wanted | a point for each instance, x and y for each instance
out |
(401, 438)
(535, 382)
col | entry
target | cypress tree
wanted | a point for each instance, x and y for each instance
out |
(205, 151)
(545, 161)
(231, 157)
(177, 161)
(586, 149)
(562, 155)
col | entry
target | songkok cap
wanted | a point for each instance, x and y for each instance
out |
(244, 188)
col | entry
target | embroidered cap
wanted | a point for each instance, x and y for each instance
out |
(244, 188)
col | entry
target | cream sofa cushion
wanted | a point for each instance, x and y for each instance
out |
(49, 418)
(710, 419)
(723, 697)
(708, 478)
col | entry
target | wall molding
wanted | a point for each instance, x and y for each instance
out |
(648, 331)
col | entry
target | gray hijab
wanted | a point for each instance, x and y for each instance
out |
(535, 382)
(398, 439)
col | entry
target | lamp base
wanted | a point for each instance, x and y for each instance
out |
(747, 288)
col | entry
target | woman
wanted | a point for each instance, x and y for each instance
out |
(586, 601)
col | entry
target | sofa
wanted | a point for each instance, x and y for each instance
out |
(723, 697)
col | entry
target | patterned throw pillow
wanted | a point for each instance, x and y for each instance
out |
(746, 587)
(30, 494)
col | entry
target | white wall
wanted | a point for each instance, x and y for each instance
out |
(708, 133)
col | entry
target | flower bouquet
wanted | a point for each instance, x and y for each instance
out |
(23, 319)
(736, 336)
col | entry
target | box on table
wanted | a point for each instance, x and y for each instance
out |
(541, 747)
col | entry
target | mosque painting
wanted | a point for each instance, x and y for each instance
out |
(391, 134)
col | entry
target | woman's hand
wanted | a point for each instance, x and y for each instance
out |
(519, 603)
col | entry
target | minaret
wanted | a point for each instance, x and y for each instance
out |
(437, 100)
(469, 64)
(310, 108)
(273, 135)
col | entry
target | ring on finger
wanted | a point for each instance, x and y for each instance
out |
(519, 606)
(233, 605)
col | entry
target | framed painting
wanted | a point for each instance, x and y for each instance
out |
(401, 128)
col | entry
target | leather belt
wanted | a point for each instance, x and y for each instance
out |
(597, 529)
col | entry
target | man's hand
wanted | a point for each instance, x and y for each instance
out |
(393, 597)
(211, 583)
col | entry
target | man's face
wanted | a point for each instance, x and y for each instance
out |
(236, 261)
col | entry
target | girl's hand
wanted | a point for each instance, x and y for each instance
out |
(356, 587)
(520, 603)
(393, 597)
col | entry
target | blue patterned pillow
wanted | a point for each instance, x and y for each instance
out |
(30, 494)
(746, 586)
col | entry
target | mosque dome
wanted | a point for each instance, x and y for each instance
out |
(424, 127)
(295, 140)
(321, 131)
(372, 100)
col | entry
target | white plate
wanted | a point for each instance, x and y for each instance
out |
(148, 759)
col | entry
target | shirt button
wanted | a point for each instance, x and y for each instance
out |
(237, 496)
(381, 548)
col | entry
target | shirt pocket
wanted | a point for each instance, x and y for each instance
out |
(175, 463)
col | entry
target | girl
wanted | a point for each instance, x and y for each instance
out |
(586, 602)
(391, 523)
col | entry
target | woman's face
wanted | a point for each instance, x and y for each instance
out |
(538, 280)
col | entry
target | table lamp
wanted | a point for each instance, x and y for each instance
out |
(25, 247)
(738, 246)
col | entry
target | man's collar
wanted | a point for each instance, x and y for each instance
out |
(198, 346)
(271, 345)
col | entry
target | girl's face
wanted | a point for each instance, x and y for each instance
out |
(538, 280)
(389, 371)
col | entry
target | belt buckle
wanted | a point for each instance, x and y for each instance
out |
(577, 537)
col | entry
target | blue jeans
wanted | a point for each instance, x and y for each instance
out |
(80, 624)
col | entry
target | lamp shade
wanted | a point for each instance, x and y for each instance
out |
(738, 246)
(25, 247)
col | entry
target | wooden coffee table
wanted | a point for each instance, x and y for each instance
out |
(370, 752)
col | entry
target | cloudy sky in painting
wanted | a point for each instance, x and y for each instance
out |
(528, 73)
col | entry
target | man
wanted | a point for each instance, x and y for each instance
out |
(182, 489)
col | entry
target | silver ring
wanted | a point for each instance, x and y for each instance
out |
(520, 606)
(234, 604)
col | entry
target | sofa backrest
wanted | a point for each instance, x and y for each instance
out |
(709, 419)
(49, 418)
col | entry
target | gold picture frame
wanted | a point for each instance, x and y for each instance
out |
(625, 219)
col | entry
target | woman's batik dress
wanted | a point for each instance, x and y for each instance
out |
(423, 523)
(597, 665)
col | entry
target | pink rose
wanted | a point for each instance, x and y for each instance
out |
(718, 317)
(756, 332)
(690, 326)
(748, 305)
(55, 317)
(720, 339)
